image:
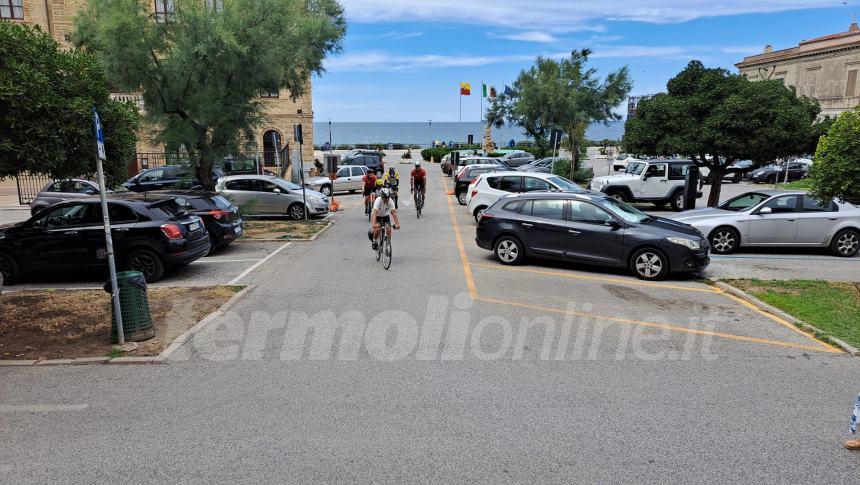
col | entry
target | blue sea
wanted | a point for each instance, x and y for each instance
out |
(417, 133)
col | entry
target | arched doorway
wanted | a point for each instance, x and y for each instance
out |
(271, 144)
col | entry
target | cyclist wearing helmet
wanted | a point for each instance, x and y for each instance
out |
(378, 186)
(392, 181)
(418, 180)
(369, 180)
(383, 212)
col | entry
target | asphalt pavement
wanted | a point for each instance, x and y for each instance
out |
(447, 367)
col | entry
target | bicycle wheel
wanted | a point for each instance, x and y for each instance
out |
(380, 243)
(386, 253)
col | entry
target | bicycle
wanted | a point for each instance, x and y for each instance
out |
(383, 246)
(419, 202)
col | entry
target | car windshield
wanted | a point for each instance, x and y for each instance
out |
(287, 185)
(635, 168)
(743, 202)
(565, 184)
(624, 210)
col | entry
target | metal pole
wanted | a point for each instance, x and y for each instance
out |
(430, 131)
(330, 147)
(120, 331)
(302, 175)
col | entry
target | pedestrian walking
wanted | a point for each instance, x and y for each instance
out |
(854, 443)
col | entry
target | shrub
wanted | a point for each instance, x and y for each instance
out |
(836, 171)
(581, 176)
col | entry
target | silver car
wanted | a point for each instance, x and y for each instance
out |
(544, 165)
(267, 195)
(63, 190)
(768, 218)
(349, 179)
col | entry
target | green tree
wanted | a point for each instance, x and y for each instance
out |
(717, 118)
(564, 94)
(201, 69)
(46, 109)
(836, 171)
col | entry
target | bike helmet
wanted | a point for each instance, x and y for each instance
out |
(385, 193)
(417, 163)
(391, 170)
(379, 182)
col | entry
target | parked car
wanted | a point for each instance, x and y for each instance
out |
(485, 190)
(544, 165)
(62, 190)
(469, 161)
(516, 158)
(768, 218)
(370, 160)
(150, 236)
(219, 215)
(619, 164)
(772, 174)
(167, 177)
(445, 163)
(590, 228)
(265, 195)
(348, 180)
(467, 175)
(660, 182)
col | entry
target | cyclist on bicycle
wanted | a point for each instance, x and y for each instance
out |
(418, 180)
(369, 180)
(392, 181)
(377, 187)
(383, 212)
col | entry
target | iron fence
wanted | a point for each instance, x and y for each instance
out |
(29, 185)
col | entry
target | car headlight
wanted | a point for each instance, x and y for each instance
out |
(690, 243)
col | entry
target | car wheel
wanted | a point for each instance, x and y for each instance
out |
(771, 179)
(353, 191)
(9, 270)
(649, 264)
(461, 198)
(296, 212)
(736, 178)
(509, 250)
(618, 195)
(679, 200)
(478, 212)
(326, 190)
(147, 262)
(845, 243)
(724, 240)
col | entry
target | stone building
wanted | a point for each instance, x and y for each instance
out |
(56, 17)
(825, 68)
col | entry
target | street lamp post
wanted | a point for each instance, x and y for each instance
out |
(430, 131)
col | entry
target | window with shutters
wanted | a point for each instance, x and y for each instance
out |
(851, 85)
(11, 9)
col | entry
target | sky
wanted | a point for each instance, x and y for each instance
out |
(403, 60)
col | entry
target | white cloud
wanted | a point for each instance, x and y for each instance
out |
(561, 15)
(527, 36)
(746, 50)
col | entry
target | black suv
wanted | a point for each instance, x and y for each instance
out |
(148, 236)
(167, 177)
(772, 174)
(370, 160)
(220, 216)
(590, 228)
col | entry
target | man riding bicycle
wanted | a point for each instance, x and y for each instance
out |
(369, 180)
(383, 212)
(392, 181)
(418, 181)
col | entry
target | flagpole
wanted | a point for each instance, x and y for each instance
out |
(481, 118)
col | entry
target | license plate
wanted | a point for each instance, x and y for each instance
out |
(237, 230)
(194, 226)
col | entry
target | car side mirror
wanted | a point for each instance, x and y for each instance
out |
(765, 210)
(645, 176)
(277, 191)
(613, 224)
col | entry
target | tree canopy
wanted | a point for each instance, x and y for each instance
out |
(717, 118)
(563, 94)
(836, 171)
(201, 69)
(46, 108)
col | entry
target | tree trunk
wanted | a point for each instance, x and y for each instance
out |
(716, 175)
(574, 155)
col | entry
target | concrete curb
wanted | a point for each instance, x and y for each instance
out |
(313, 238)
(786, 316)
(150, 359)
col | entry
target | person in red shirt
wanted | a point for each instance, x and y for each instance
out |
(418, 179)
(369, 180)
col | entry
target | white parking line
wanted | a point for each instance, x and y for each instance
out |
(210, 260)
(41, 408)
(258, 264)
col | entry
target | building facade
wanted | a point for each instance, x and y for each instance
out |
(56, 17)
(825, 68)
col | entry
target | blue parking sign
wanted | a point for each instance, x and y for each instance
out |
(100, 136)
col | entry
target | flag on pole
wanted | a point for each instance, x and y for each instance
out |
(483, 90)
(492, 91)
(508, 91)
(465, 89)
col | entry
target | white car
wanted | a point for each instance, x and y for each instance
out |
(486, 189)
(468, 161)
(349, 179)
(660, 182)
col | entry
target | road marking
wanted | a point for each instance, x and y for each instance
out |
(210, 260)
(464, 261)
(595, 278)
(780, 321)
(832, 259)
(674, 328)
(41, 408)
(258, 264)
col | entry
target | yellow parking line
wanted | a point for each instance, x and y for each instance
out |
(663, 326)
(464, 261)
(782, 322)
(596, 278)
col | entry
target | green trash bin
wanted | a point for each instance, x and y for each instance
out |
(136, 320)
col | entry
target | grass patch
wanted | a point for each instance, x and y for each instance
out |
(66, 324)
(833, 307)
(286, 230)
(802, 184)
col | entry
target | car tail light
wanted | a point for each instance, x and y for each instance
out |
(474, 192)
(486, 216)
(172, 231)
(219, 214)
(461, 175)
